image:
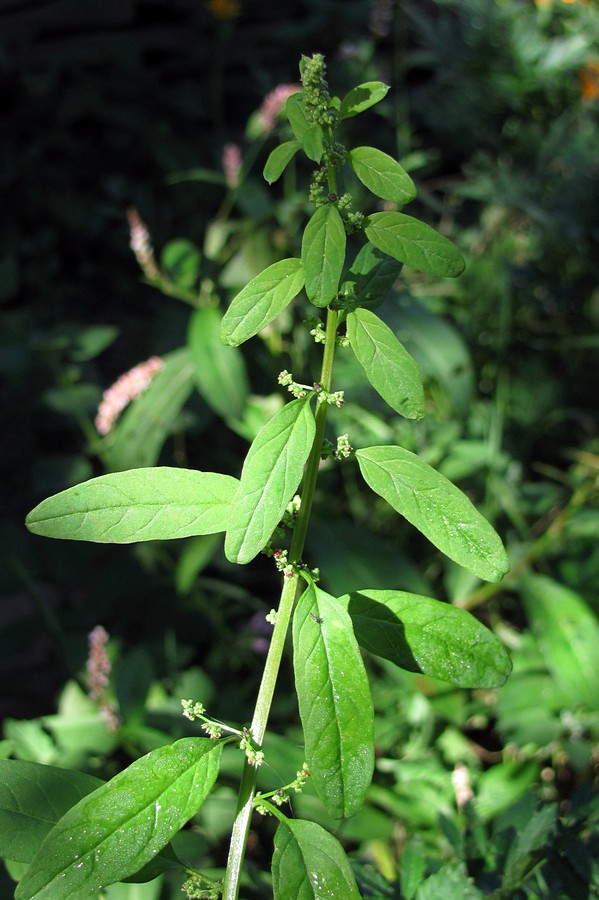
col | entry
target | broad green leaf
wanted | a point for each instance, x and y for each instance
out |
(567, 632)
(32, 799)
(362, 97)
(323, 254)
(389, 367)
(262, 300)
(310, 864)
(424, 635)
(414, 243)
(114, 831)
(371, 276)
(139, 505)
(271, 474)
(335, 703)
(294, 110)
(279, 159)
(313, 143)
(220, 371)
(382, 175)
(436, 507)
(138, 436)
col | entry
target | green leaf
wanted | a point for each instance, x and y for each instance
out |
(528, 847)
(310, 864)
(116, 830)
(279, 159)
(436, 507)
(424, 635)
(414, 243)
(382, 175)
(262, 300)
(567, 632)
(335, 703)
(323, 254)
(313, 143)
(271, 474)
(140, 505)
(362, 97)
(138, 437)
(389, 367)
(219, 371)
(294, 110)
(32, 799)
(182, 261)
(371, 276)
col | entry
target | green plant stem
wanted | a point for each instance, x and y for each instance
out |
(290, 590)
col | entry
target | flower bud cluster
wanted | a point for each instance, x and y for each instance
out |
(317, 100)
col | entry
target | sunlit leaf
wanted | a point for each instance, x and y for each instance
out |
(310, 864)
(362, 97)
(382, 175)
(279, 159)
(414, 243)
(323, 254)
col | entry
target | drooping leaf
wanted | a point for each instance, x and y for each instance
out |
(32, 799)
(113, 832)
(362, 97)
(335, 703)
(279, 159)
(567, 632)
(271, 473)
(294, 110)
(371, 276)
(140, 505)
(382, 175)
(261, 301)
(310, 864)
(220, 371)
(323, 254)
(421, 634)
(414, 243)
(436, 507)
(389, 367)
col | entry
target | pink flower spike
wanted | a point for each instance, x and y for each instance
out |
(274, 103)
(232, 164)
(141, 244)
(123, 391)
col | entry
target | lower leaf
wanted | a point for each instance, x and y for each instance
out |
(310, 864)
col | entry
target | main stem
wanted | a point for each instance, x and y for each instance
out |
(290, 590)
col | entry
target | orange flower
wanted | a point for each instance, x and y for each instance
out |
(589, 81)
(224, 9)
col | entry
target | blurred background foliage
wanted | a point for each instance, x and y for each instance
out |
(494, 109)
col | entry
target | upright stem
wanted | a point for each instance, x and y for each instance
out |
(289, 593)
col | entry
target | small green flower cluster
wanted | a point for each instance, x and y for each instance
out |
(317, 100)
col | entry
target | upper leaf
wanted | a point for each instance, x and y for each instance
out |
(436, 507)
(313, 143)
(362, 97)
(310, 864)
(279, 159)
(139, 505)
(389, 367)
(335, 703)
(382, 175)
(271, 473)
(421, 634)
(414, 243)
(114, 831)
(220, 371)
(370, 277)
(294, 110)
(323, 254)
(261, 301)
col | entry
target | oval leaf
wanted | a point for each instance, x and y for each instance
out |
(313, 143)
(414, 243)
(310, 864)
(262, 300)
(389, 367)
(117, 829)
(271, 474)
(335, 703)
(220, 371)
(323, 254)
(139, 505)
(382, 175)
(421, 634)
(279, 159)
(436, 507)
(362, 97)
(294, 110)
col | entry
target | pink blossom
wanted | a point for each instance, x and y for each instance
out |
(141, 244)
(273, 104)
(126, 388)
(98, 677)
(232, 164)
(460, 778)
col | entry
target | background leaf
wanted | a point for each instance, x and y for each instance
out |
(323, 254)
(371, 276)
(334, 702)
(436, 507)
(362, 97)
(414, 243)
(121, 826)
(424, 635)
(262, 300)
(310, 864)
(382, 175)
(220, 371)
(389, 367)
(140, 505)
(271, 474)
